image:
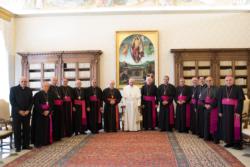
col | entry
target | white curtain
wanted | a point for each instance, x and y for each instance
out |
(4, 69)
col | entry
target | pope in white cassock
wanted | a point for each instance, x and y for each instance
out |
(132, 102)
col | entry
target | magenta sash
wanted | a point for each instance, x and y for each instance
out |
(152, 99)
(188, 108)
(50, 129)
(171, 109)
(58, 102)
(213, 116)
(83, 104)
(95, 99)
(234, 102)
(46, 107)
(200, 102)
(193, 101)
(117, 117)
(67, 99)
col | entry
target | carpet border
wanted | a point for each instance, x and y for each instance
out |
(180, 156)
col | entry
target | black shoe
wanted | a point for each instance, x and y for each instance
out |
(18, 150)
(216, 142)
(228, 145)
(237, 147)
(27, 148)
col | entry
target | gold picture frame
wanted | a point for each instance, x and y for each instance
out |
(136, 56)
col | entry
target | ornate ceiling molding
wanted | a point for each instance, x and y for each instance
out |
(5, 14)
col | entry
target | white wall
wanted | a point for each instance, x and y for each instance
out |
(8, 29)
(52, 33)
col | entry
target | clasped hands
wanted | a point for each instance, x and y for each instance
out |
(207, 106)
(165, 102)
(46, 113)
(236, 114)
(112, 102)
(101, 109)
(24, 113)
(181, 101)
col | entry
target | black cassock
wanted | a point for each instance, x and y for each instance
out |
(42, 130)
(80, 114)
(111, 111)
(68, 99)
(200, 112)
(211, 123)
(193, 111)
(183, 110)
(94, 102)
(57, 116)
(166, 115)
(230, 101)
(148, 101)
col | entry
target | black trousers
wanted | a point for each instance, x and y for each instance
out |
(21, 127)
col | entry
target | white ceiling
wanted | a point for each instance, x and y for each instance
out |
(27, 7)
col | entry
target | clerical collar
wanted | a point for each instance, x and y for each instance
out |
(22, 87)
(203, 85)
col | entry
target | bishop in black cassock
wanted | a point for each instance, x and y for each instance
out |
(211, 121)
(68, 99)
(80, 113)
(166, 94)
(149, 103)
(94, 107)
(182, 99)
(194, 105)
(200, 108)
(42, 130)
(230, 104)
(58, 112)
(112, 98)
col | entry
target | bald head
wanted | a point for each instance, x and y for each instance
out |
(78, 83)
(23, 82)
(45, 86)
(53, 81)
(94, 83)
(112, 84)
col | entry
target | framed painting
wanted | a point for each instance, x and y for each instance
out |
(136, 56)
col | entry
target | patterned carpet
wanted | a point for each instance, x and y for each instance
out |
(146, 148)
